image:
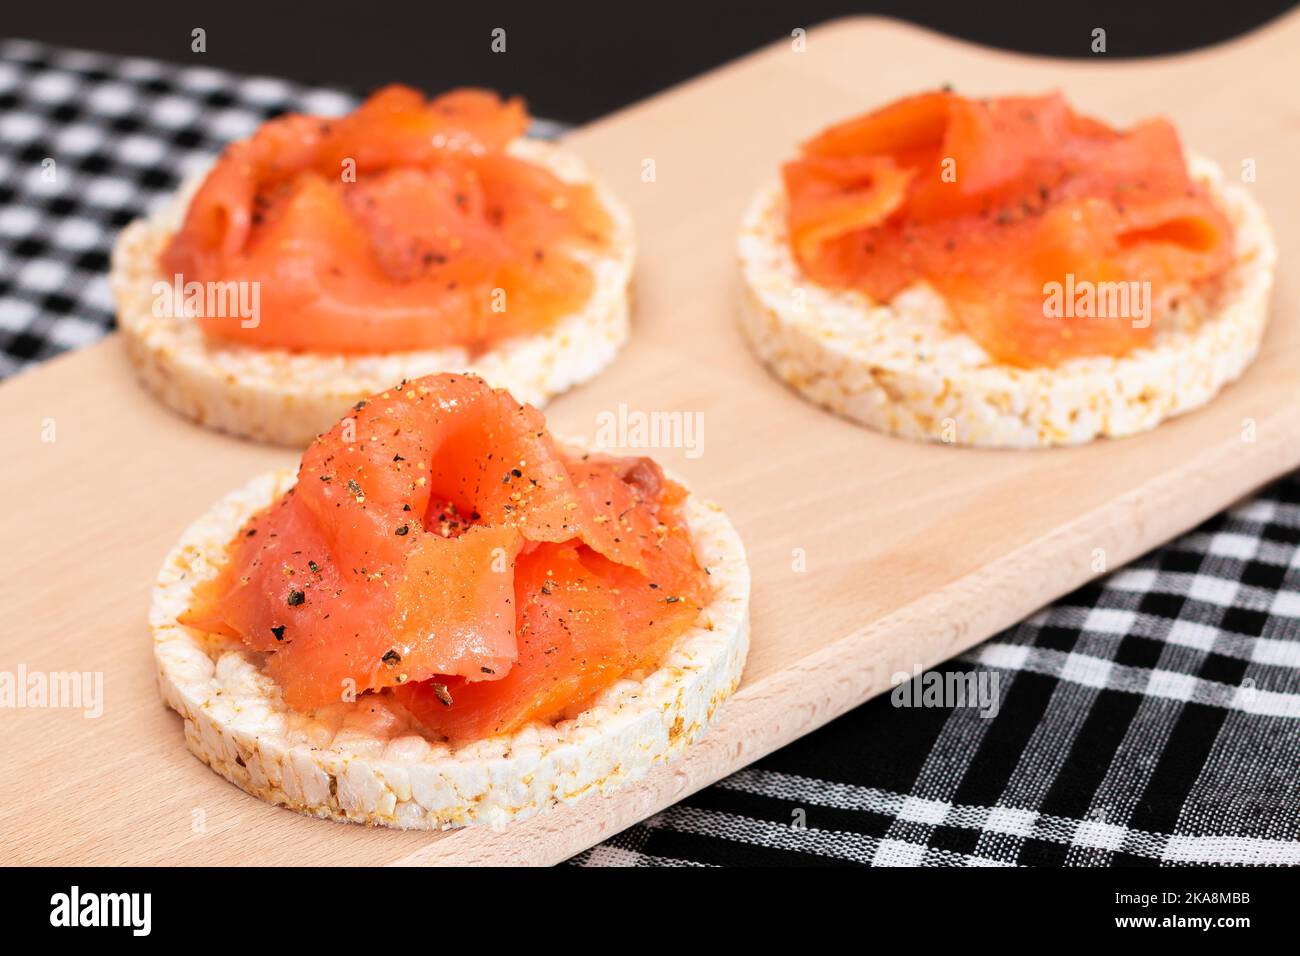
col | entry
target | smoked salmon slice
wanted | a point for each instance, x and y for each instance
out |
(405, 225)
(994, 202)
(440, 545)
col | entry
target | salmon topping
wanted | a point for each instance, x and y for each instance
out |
(404, 225)
(440, 546)
(1037, 225)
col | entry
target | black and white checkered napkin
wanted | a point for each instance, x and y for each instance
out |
(1149, 718)
(1152, 717)
(88, 142)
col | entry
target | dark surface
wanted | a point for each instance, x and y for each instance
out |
(576, 62)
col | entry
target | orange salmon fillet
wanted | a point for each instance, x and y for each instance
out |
(991, 201)
(403, 226)
(440, 545)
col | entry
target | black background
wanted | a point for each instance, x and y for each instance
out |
(578, 61)
(932, 906)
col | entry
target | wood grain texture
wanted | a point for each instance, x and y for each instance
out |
(913, 552)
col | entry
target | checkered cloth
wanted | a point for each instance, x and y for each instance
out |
(89, 142)
(1152, 717)
(1149, 718)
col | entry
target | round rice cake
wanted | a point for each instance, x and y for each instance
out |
(368, 762)
(287, 398)
(902, 368)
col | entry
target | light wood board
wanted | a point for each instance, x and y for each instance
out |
(913, 552)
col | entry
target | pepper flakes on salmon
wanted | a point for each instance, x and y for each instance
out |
(989, 201)
(405, 225)
(505, 600)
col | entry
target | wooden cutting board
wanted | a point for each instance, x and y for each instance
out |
(870, 555)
